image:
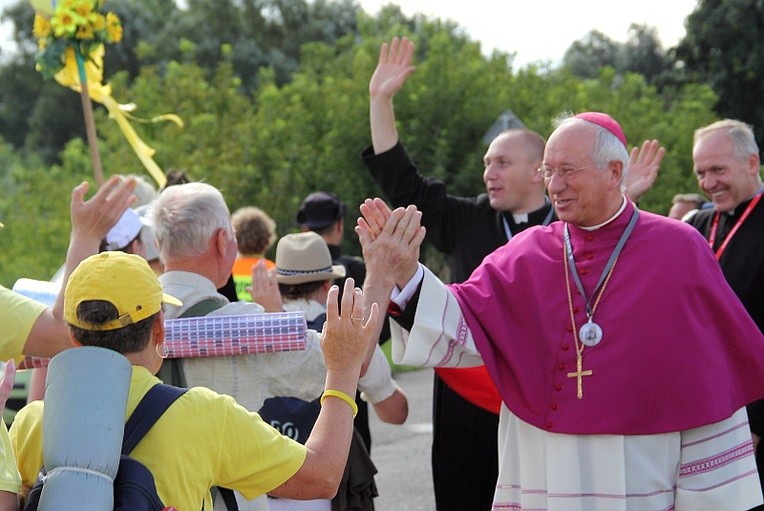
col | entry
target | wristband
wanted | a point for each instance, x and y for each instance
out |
(341, 395)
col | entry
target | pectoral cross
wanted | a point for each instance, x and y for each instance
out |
(579, 374)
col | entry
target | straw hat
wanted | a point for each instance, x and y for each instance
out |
(304, 257)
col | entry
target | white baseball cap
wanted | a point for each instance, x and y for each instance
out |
(124, 231)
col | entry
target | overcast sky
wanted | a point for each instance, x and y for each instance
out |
(543, 30)
(537, 30)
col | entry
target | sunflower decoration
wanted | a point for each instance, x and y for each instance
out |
(71, 36)
(76, 24)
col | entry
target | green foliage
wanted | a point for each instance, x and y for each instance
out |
(249, 34)
(642, 53)
(297, 119)
(145, 21)
(257, 32)
(20, 86)
(35, 211)
(586, 56)
(724, 47)
(56, 118)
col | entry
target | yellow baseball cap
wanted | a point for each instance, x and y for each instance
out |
(124, 280)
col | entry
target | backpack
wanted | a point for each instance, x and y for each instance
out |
(292, 416)
(134, 487)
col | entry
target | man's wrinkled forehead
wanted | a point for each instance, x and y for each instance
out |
(570, 143)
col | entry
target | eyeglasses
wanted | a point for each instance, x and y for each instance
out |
(564, 172)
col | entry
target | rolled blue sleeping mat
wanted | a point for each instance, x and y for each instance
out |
(84, 417)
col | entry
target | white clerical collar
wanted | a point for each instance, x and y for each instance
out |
(603, 224)
(520, 218)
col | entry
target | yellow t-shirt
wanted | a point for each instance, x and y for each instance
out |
(204, 439)
(17, 315)
(10, 479)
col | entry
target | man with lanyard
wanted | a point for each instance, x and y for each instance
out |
(726, 161)
(465, 400)
(616, 395)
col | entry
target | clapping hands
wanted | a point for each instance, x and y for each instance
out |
(390, 240)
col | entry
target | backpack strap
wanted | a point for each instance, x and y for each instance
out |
(152, 406)
(202, 308)
(228, 498)
(156, 401)
(317, 323)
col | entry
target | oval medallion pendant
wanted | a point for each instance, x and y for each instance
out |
(590, 334)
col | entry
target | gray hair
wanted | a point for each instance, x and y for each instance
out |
(607, 147)
(739, 133)
(185, 217)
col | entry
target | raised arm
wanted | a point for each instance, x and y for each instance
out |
(345, 341)
(394, 409)
(644, 164)
(91, 220)
(393, 68)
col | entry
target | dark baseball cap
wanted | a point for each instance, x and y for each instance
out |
(320, 209)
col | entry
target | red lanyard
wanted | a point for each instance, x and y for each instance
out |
(715, 225)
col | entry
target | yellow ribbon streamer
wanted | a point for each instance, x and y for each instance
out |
(43, 6)
(101, 93)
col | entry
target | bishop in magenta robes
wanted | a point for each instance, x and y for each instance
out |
(623, 358)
